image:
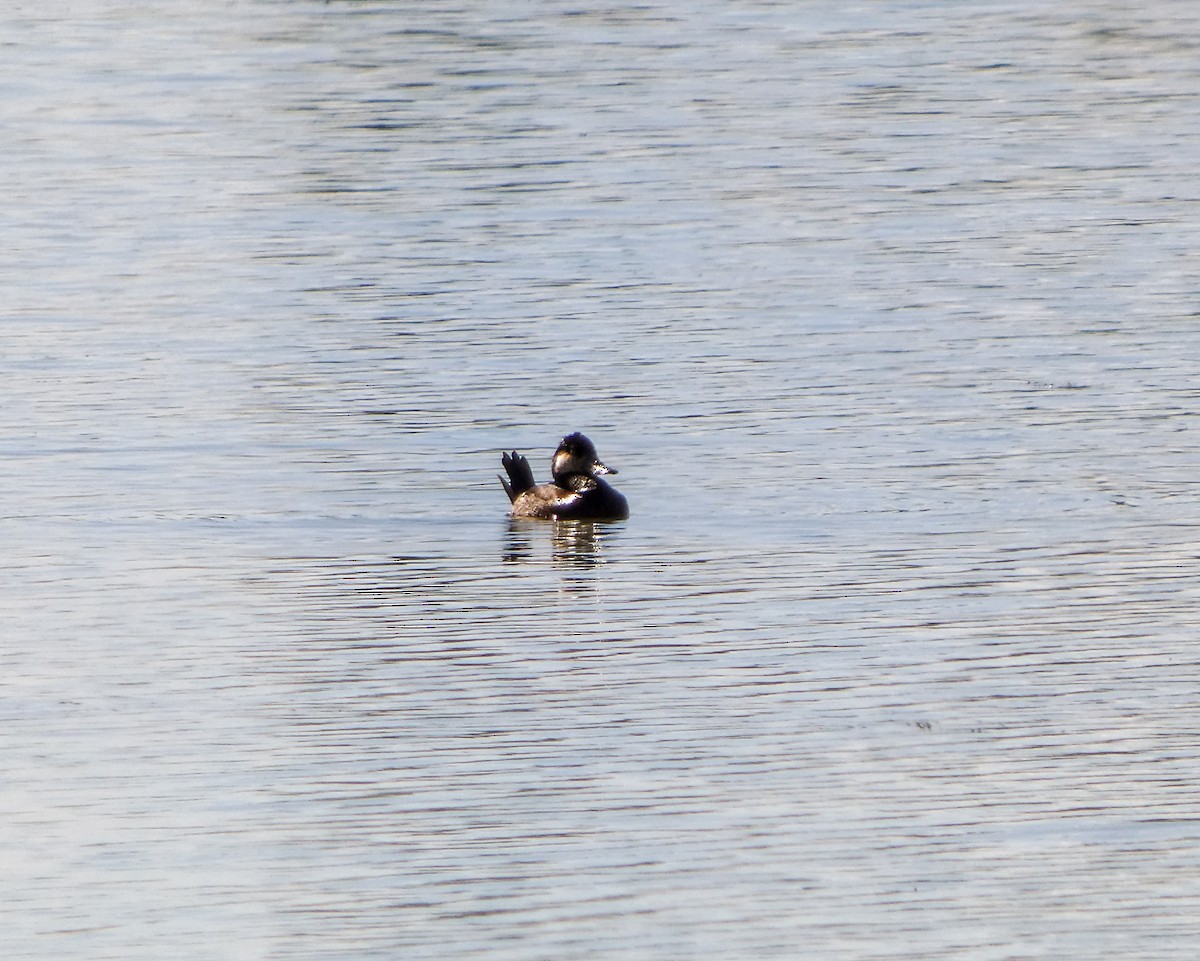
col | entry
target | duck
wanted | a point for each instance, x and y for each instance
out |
(577, 492)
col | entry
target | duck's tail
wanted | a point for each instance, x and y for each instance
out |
(520, 475)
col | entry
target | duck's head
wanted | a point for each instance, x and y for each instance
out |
(577, 455)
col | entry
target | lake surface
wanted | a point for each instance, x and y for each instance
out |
(889, 315)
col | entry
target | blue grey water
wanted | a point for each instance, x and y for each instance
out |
(887, 312)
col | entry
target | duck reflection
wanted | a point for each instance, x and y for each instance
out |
(576, 544)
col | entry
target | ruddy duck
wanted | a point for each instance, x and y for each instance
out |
(577, 492)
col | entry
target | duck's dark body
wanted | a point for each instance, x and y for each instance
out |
(576, 493)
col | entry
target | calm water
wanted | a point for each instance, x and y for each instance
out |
(889, 316)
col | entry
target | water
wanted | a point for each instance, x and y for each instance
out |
(887, 316)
